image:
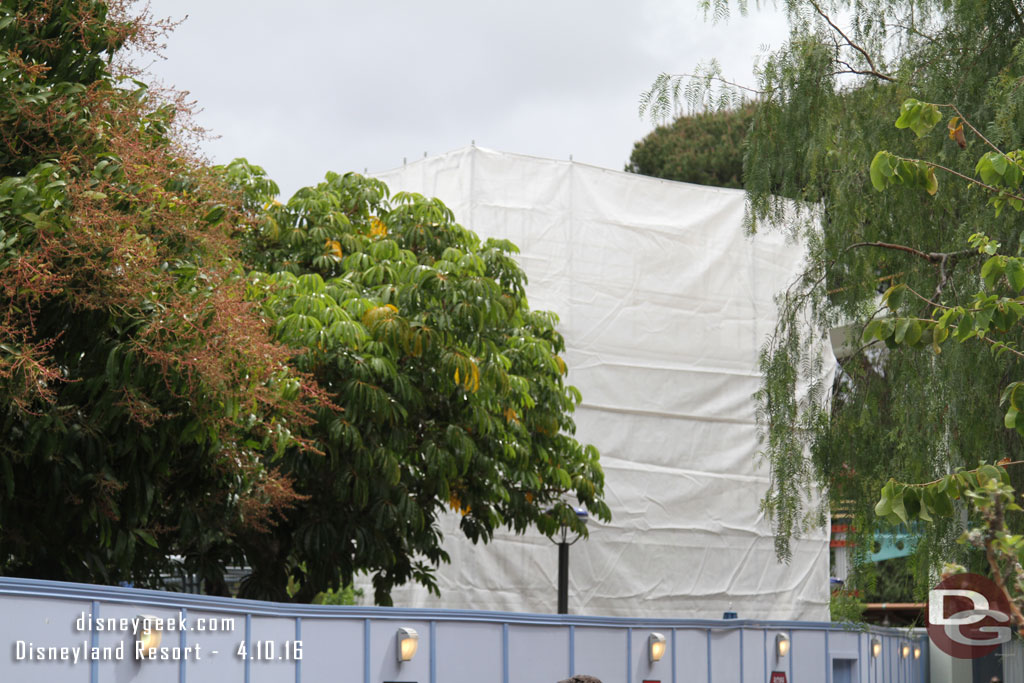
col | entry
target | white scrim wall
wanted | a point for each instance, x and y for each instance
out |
(664, 304)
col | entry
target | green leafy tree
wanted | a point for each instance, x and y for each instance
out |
(704, 148)
(448, 390)
(189, 368)
(991, 317)
(825, 108)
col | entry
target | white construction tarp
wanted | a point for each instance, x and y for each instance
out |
(664, 303)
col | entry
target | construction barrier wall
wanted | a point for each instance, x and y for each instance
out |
(286, 643)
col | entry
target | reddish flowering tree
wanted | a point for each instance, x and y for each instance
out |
(140, 394)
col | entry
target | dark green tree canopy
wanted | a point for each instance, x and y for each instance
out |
(704, 148)
(190, 368)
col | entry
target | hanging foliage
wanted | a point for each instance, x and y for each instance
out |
(827, 104)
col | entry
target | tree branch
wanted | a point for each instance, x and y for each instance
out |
(932, 256)
(721, 80)
(995, 526)
(936, 481)
(874, 70)
(926, 300)
(1008, 348)
(976, 131)
(914, 29)
(954, 328)
(969, 179)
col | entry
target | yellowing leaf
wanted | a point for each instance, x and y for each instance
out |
(378, 228)
(379, 315)
(334, 247)
(455, 504)
(469, 380)
(956, 132)
(931, 182)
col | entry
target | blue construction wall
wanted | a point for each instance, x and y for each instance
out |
(358, 644)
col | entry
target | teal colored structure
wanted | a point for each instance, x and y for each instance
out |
(899, 544)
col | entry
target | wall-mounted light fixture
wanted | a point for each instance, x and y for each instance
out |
(917, 652)
(408, 642)
(876, 647)
(905, 650)
(781, 646)
(655, 647)
(148, 636)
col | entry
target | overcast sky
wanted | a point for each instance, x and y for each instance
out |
(308, 86)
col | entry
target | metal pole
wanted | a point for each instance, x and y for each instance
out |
(563, 578)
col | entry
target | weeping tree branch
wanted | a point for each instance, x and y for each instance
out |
(665, 92)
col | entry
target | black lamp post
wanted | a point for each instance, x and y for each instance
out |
(563, 561)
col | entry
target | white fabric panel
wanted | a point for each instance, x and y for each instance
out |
(664, 304)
